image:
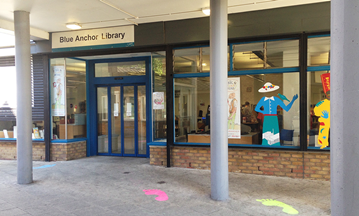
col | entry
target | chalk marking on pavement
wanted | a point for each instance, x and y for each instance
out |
(286, 208)
(162, 196)
(45, 166)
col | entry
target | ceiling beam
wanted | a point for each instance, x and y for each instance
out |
(35, 34)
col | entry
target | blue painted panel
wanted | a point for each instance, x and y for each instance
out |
(108, 46)
(109, 120)
(190, 75)
(316, 36)
(318, 148)
(157, 144)
(136, 119)
(122, 123)
(264, 71)
(319, 68)
(239, 73)
(238, 145)
(260, 146)
(68, 140)
(89, 108)
(149, 113)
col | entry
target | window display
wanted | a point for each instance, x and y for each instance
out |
(68, 98)
(262, 97)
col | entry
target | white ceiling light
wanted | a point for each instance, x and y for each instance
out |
(206, 11)
(73, 25)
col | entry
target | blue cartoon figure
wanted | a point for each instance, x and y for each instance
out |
(270, 123)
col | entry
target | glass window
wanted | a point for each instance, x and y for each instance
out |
(318, 51)
(7, 101)
(128, 68)
(68, 98)
(193, 60)
(278, 119)
(8, 105)
(187, 60)
(191, 108)
(318, 109)
(282, 54)
(9, 130)
(272, 54)
(248, 56)
(159, 97)
(76, 98)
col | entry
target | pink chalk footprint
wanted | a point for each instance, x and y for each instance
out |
(162, 196)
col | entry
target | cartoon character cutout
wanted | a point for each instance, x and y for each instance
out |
(270, 129)
(322, 110)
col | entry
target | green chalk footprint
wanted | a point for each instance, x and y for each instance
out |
(286, 208)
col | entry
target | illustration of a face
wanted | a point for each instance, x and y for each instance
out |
(231, 95)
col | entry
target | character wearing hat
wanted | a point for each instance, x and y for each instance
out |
(270, 123)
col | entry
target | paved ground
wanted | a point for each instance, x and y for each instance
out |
(114, 186)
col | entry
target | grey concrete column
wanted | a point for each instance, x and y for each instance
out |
(218, 92)
(24, 105)
(344, 104)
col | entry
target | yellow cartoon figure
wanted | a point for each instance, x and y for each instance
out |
(322, 110)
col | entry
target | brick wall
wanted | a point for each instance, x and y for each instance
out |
(58, 151)
(8, 150)
(294, 164)
(67, 151)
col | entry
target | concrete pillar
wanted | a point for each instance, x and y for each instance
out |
(24, 105)
(218, 92)
(344, 104)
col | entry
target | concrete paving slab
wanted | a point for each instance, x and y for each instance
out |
(114, 186)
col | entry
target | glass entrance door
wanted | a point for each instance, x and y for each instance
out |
(121, 120)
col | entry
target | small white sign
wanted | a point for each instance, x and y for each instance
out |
(158, 100)
(15, 131)
(115, 109)
(6, 135)
(128, 110)
(94, 37)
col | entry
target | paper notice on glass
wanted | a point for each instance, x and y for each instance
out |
(128, 110)
(158, 100)
(15, 131)
(234, 108)
(115, 109)
(58, 91)
(6, 135)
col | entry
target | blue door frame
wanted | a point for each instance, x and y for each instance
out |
(94, 82)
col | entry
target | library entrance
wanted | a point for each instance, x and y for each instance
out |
(119, 97)
(121, 122)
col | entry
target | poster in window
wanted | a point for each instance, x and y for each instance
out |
(58, 85)
(234, 109)
(158, 100)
